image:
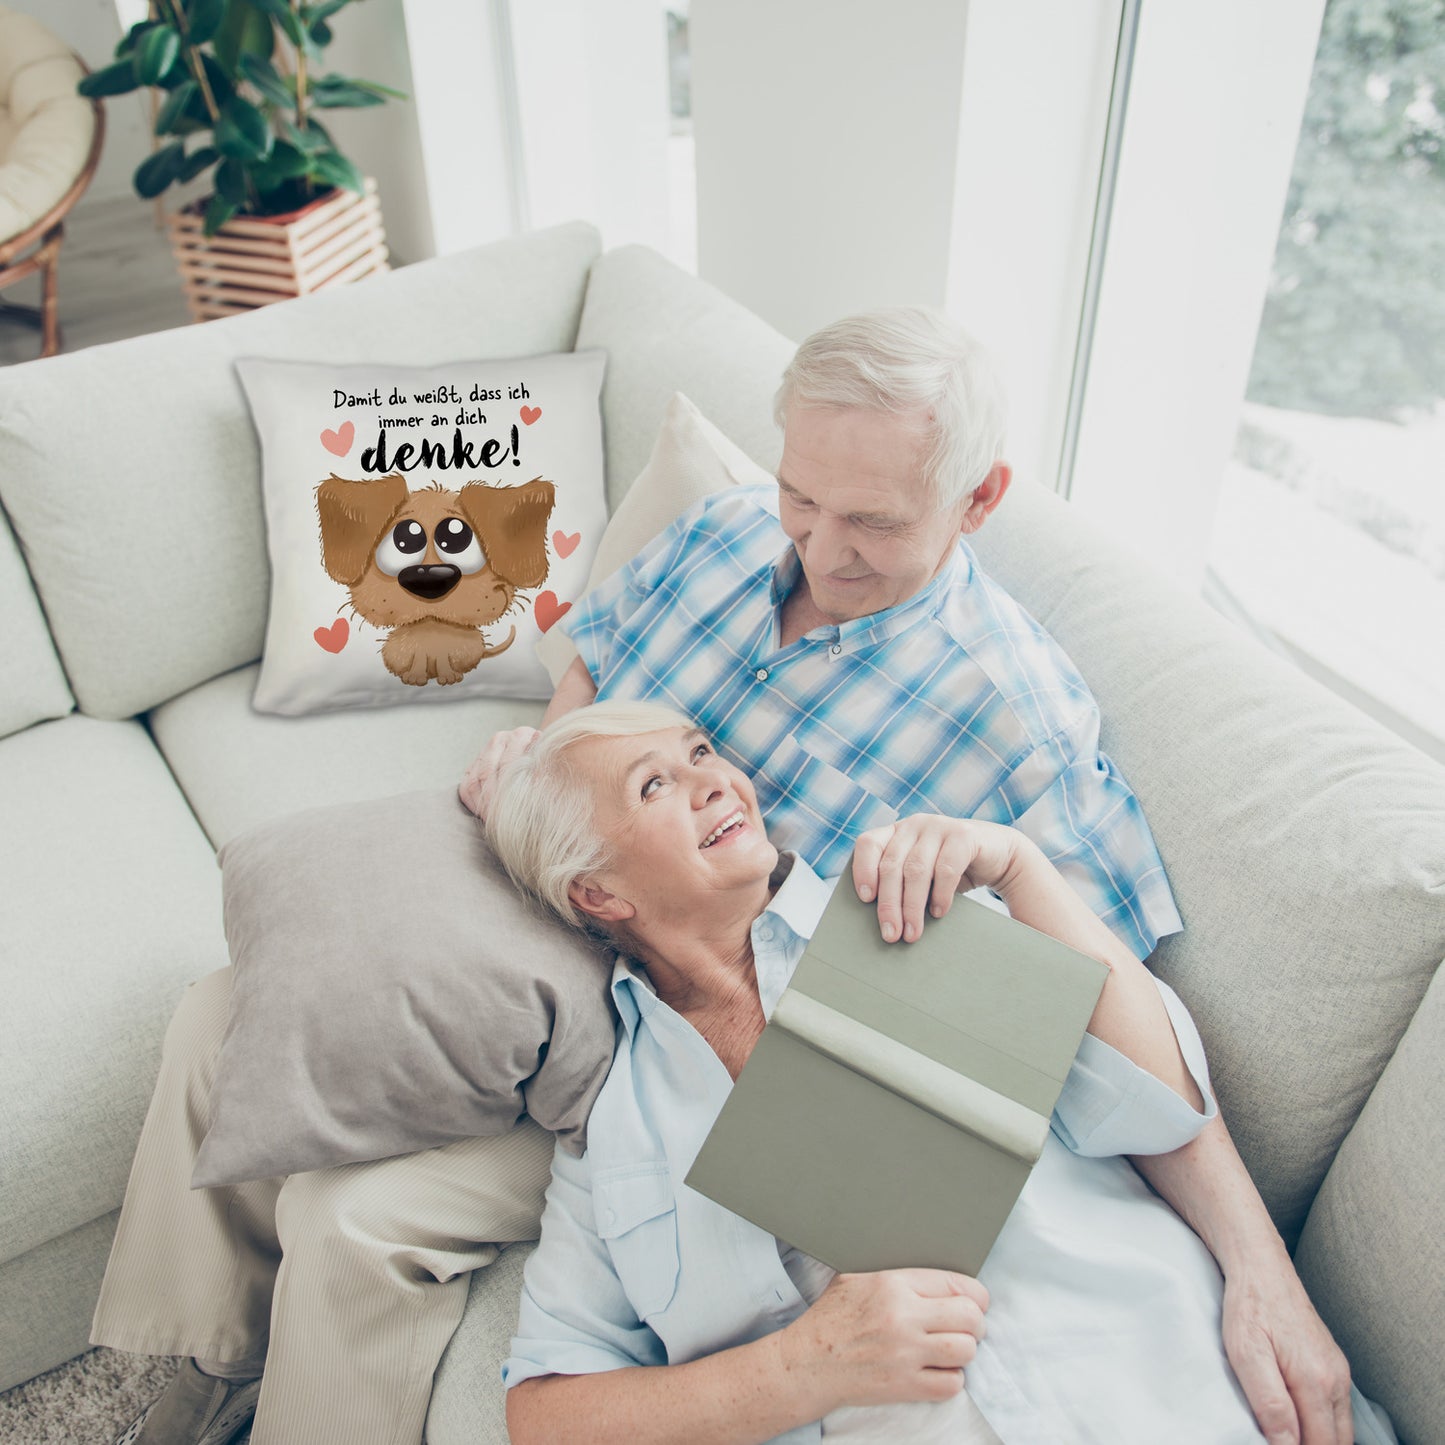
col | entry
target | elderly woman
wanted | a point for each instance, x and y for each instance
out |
(653, 1314)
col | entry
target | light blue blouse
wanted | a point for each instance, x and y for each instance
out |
(1105, 1316)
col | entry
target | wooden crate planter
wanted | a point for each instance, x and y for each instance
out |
(255, 260)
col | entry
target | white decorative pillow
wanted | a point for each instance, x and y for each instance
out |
(691, 459)
(426, 525)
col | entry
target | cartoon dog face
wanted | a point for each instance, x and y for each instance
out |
(433, 556)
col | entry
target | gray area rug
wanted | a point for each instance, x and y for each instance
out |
(86, 1402)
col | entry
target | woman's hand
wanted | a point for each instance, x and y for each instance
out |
(897, 1335)
(918, 864)
(475, 788)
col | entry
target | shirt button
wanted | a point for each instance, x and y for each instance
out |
(765, 932)
(836, 648)
(761, 674)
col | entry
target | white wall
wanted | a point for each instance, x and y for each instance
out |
(593, 113)
(1213, 120)
(827, 146)
(1036, 83)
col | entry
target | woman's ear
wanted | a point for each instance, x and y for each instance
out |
(596, 902)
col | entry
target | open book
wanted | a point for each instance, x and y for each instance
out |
(900, 1094)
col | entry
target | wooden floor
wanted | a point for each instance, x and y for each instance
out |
(117, 279)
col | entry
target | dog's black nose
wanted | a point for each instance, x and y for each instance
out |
(430, 580)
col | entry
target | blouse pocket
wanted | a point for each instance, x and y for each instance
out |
(637, 1217)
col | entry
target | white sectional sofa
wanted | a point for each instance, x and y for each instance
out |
(1306, 846)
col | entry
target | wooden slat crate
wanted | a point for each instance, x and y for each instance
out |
(255, 260)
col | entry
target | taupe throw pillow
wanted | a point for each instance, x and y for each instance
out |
(393, 992)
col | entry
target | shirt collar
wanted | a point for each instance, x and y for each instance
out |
(878, 626)
(779, 933)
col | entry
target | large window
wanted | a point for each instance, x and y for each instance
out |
(1330, 528)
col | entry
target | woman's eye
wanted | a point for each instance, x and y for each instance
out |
(650, 785)
(701, 750)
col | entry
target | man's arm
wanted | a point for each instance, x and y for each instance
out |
(576, 689)
(1295, 1377)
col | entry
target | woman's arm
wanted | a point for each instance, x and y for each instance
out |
(917, 865)
(903, 1334)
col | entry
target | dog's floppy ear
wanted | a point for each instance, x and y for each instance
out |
(512, 525)
(353, 516)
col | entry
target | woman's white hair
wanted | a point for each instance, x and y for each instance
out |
(908, 360)
(542, 820)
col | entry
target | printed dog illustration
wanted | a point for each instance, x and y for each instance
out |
(434, 566)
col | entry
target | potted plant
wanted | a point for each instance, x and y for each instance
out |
(239, 85)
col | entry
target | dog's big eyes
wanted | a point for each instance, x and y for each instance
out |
(401, 547)
(458, 544)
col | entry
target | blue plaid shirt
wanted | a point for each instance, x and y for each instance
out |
(954, 702)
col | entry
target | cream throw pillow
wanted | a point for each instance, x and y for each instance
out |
(691, 459)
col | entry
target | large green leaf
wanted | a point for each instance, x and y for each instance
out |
(131, 38)
(218, 212)
(173, 113)
(285, 17)
(312, 140)
(222, 86)
(277, 88)
(242, 132)
(231, 181)
(320, 36)
(323, 11)
(117, 79)
(157, 171)
(334, 92)
(244, 31)
(197, 161)
(203, 19)
(333, 168)
(159, 49)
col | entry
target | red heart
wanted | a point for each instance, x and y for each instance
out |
(338, 442)
(333, 638)
(548, 609)
(530, 414)
(564, 544)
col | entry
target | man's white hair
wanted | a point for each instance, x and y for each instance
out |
(542, 821)
(908, 360)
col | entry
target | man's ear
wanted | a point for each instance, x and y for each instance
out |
(511, 524)
(596, 902)
(986, 496)
(353, 516)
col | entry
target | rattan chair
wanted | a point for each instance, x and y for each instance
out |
(50, 139)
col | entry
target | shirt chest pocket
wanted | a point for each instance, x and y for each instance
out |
(815, 808)
(637, 1218)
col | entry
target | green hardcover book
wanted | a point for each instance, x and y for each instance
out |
(901, 1093)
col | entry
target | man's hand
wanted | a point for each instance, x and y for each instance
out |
(916, 865)
(1295, 1377)
(476, 785)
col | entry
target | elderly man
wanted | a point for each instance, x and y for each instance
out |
(838, 640)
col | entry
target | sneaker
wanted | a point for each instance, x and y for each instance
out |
(195, 1409)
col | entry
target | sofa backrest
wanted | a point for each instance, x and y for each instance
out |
(34, 687)
(131, 473)
(1302, 840)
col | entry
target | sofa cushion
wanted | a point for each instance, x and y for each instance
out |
(110, 906)
(1301, 840)
(468, 1404)
(665, 331)
(239, 768)
(691, 459)
(1372, 1254)
(133, 477)
(35, 687)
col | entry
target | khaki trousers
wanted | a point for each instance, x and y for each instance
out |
(350, 1281)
